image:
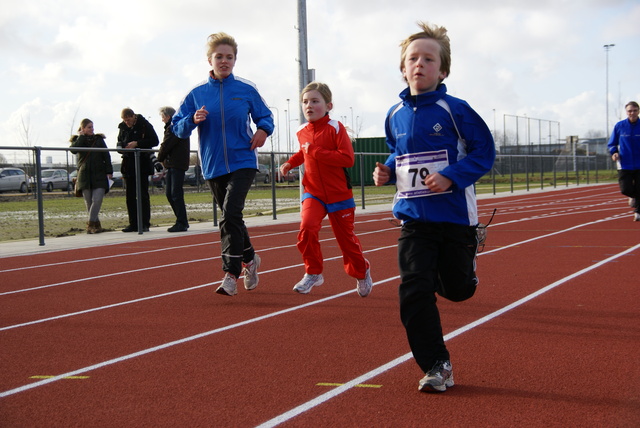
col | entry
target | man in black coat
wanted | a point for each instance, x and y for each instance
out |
(136, 132)
(174, 155)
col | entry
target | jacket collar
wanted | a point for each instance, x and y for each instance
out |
(423, 99)
(320, 122)
(213, 79)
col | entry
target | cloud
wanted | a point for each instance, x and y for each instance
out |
(91, 59)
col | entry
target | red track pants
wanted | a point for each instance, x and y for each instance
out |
(313, 212)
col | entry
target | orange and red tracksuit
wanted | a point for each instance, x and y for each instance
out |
(327, 190)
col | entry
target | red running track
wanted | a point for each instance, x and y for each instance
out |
(133, 334)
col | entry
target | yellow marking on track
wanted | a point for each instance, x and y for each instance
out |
(49, 377)
(362, 385)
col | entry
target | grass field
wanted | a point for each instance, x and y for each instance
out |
(66, 215)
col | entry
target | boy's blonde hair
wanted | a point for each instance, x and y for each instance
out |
(217, 39)
(437, 33)
(323, 88)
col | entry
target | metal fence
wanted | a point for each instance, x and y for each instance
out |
(509, 173)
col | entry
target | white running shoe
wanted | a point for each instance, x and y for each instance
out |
(438, 379)
(308, 282)
(250, 272)
(229, 286)
(636, 217)
(364, 286)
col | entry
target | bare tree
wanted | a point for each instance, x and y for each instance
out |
(594, 133)
(25, 133)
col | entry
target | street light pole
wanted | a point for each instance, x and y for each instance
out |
(277, 127)
(606, 50)
(288, 112)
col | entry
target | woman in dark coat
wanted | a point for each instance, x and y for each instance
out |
(94, 172)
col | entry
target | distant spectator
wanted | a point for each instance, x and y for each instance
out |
(174, 155)
(94, 172)
(624, 146)
(136, 132)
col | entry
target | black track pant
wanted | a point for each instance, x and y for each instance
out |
(433, 258)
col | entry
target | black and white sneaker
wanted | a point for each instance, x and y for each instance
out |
(438, 379)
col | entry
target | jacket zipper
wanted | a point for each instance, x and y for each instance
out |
(224, 134)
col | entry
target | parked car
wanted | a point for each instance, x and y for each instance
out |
(54, 179)
(13, 179)
(292, 175)
(117, 176)
(193, 176)
(263, 175)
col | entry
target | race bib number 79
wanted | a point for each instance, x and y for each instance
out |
(413, 168)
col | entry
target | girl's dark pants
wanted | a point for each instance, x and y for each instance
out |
(230, 192)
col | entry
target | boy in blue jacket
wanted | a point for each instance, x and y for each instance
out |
(439, 148)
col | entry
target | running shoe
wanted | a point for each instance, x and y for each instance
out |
(636, 217)
(250, 272)
(308, 282)
(229, 286)
(438, 379)
(481, 233)
(364, 286)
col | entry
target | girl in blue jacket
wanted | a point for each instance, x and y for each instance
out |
(439, 148)
(222, 108)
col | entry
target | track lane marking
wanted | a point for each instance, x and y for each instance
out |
(169, 293)
(286, 267)
(107, 275)
(344, 387)
(284, 417)
(180, 341)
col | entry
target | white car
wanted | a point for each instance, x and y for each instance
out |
(13, 179)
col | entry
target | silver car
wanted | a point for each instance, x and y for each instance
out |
(13, 179)
(56, 179)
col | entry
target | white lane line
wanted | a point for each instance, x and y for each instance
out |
(178, 342)
(156, 250)
(391, 364)
(90, 278)
(270, 271)
(170, 293)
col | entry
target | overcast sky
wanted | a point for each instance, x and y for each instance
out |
(64, 61)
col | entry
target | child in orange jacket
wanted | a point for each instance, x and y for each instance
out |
(326, 151)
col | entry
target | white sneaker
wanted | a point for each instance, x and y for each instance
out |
(308, 282)
(364, 286)
(636, 217)
(229, 286)
(250, 272)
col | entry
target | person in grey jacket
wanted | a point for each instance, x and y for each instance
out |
(174, 155)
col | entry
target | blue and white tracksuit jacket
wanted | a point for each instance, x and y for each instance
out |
(625, 140)
(423, 124)
(224, 137)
